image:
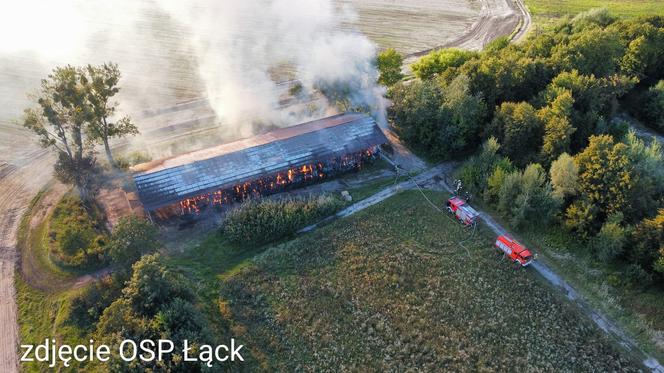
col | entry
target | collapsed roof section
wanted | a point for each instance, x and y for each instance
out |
(167, 181)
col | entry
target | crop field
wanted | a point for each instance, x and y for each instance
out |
(399, 286)
(623, 8)
(412, 26)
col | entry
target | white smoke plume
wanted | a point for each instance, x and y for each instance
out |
(233, 52)
(244, 48)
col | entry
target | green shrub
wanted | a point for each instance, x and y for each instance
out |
(132, 237)
(132, 159)
(637, 276)
(87, 307)
(75, 239)
(259, 222)
(76, 233)
(440, 60)
(610, 241)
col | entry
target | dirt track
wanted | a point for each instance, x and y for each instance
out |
(497, 18)
(21, 179)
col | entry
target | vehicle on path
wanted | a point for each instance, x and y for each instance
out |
(513, 250)
(462, 211)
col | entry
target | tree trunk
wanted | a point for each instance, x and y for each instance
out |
(109, 155)
(84, 192)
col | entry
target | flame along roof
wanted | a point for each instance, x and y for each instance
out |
(167, 181)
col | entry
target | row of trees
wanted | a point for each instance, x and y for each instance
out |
(75, 112)
(545, 110)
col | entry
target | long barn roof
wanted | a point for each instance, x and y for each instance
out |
(165, 182)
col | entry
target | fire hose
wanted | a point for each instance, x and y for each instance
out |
(433, 205)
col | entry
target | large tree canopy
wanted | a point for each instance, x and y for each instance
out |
(101, 85)
(389, 63)
(59, 120)
(73, 113)
(605, 174)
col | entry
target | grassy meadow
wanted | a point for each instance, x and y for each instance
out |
(396, 286)
(621, 8)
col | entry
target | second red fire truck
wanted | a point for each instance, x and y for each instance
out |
(513, 250)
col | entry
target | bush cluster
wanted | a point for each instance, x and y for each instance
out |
(77, 237)
(257, 222)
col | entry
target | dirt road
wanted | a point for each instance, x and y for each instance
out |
(20, 180)
(646, 132)
(497, 18)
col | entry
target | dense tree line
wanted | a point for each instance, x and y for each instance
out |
(554, 152)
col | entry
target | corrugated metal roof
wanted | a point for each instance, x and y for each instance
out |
(164, 182)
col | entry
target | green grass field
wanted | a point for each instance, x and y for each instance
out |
(622, 8)
(392, 288)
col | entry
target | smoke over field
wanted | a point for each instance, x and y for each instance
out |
(232, 52)
(229, 51)
(243, 49)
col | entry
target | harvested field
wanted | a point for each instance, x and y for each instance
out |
(159, 67)
(391, 288)
(413, 26)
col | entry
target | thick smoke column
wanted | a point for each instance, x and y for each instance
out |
(244, 47)
(233, 52)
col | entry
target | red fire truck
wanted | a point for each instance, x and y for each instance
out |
(462, 211)
(514, 250)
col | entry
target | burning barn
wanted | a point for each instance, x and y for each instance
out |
(265, 164)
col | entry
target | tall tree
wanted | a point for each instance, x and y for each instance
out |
(564, 176)
(592, 52)
(605, 174)
(519, 131)
(389, 64)
(653, 108)
(59, 120)
(462, 115)
(558, 128)
(415, 113)
(101, 84)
